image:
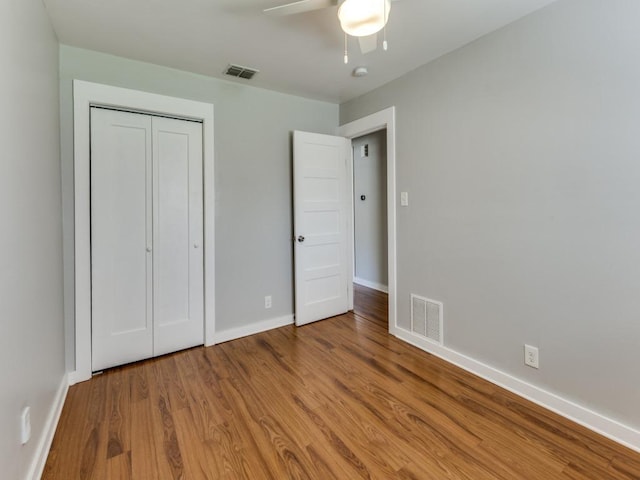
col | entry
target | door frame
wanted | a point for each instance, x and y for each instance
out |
(86, 95)
(384, 119)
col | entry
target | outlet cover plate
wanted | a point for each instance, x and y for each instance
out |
(25, 425)
(531, 356)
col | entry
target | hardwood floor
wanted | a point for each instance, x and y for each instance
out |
(336, 399)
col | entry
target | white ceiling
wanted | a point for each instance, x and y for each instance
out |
(298, 54)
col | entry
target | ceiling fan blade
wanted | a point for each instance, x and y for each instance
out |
(368, 43)
(300, 6)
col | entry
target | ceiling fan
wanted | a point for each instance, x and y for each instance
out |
(359, 18)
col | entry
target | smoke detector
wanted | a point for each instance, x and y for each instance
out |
(360, 71)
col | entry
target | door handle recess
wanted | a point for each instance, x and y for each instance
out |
(300, 238)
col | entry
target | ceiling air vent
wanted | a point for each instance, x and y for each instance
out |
(241, 72)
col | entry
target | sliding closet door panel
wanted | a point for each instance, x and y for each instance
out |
(178, 224)
(121, 230)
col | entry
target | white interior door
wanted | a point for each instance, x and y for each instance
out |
(321, 206)
(177, 233)
(121, 234)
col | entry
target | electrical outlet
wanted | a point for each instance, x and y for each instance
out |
(25, 425)
(531, 356)
(267, 301)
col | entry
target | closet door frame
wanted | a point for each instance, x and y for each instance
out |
(86, 95)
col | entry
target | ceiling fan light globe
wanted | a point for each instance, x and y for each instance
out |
(360, 18)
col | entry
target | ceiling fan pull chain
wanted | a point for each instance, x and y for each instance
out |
(384, 32)
(346, 50)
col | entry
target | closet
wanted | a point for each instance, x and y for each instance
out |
(146, 236)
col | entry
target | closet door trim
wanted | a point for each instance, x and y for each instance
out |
(85, 95)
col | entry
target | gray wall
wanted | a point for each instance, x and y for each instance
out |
(31, 321)
(370, 215)
(253, 177)
(521, 155)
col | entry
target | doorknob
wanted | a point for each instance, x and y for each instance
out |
(148, 249)
(300, 238)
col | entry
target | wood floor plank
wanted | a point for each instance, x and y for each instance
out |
(381, 450)
(342, 453)
(163, 435)
(199, 465)
(93, 451)
(325, 470)
(119, 467)
(233, 461)
(337, 399)
(145, 464)
(119, 414)
(138, 383)
(257, 426)
(625, 465)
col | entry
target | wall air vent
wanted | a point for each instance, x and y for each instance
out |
(240, 71)
(427, 318)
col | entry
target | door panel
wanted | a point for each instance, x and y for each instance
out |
(320, 218)
(178, 234)
(121, 267)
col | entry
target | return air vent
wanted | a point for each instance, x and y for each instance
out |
(427, 318)
(241, 72)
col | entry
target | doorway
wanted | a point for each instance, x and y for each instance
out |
(370, 211)
(383, 121)
(370, 250)
(325, 193)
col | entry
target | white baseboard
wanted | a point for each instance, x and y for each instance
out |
(252, 329)
(374, 285)
(605, 426)
(36, 468)
(77, 376)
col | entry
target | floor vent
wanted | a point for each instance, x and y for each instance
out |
(427, 318)
(241, 72)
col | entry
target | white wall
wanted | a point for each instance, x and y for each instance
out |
(253, 178)
(31, 320)
(521, 155)
(370, 215)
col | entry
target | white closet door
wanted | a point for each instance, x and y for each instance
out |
(178, 235)
(121, 231)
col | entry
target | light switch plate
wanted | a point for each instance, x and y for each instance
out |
(404, 199)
